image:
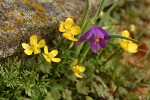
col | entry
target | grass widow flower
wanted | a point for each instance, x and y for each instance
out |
(97, 37)
(50, 56)
(34, 46)
(69, 30)
(77, 69)
(128, 45)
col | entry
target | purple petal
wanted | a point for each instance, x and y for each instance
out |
(94, 46)
(84, 37)
(97, 32)
(106, 35)
(102, 43)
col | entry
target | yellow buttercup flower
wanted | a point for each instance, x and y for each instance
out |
(128, 45)
(77, 69)
(69, 30)
(50, 56)
(34, 46)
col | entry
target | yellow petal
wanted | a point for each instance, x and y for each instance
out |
(80, 68)
(54, 52)
(41, 43)
(56, 59)
(33, 40)
(61, 27)
(75, 30)
(50, 55)
(75, 62)
(69, 36)
(28, 51)
(123, 45)
(46, 50)
(25, 46)
(132, 47)
(68, 23)
(75, 70)
(126, 33)
(47, 58)
(37, 51)
(78, 75)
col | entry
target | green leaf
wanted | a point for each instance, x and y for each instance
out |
(100, 8)
(82, 88)
(105, 16)
(85, 14)
(49, 97)
(132, 97)
(100, 90)
(55, 91)
(89, 98)
(67, 94)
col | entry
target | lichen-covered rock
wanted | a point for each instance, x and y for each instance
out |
(19, 19)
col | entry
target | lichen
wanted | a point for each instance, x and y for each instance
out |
(41, 15)
(6, 28)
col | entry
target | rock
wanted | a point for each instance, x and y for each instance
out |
(19, 19)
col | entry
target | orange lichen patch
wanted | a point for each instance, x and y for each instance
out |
(16, 2)
(37, 7)
(5, 28)
(51, 17)
(19, 18)
(41, 15)
(9, 26)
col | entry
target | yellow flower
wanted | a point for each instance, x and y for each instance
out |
(69, 30)
(34, 46)
(50, 56)
(77, 69)
(128, 45)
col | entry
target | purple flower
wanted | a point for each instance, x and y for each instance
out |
(97, 36)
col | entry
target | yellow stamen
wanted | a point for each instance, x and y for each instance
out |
(96, 39)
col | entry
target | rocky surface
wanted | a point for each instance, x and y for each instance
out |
(19, 19)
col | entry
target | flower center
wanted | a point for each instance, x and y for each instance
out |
(96, 39)
(33, 47)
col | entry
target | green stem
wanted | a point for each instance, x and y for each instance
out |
(85, 14)
(40, 63)
(111, 56)
(33, 63)
(108, 13)
(101, 81)
(100, 8)
(85, 53)
(123, 37)
(83, 24)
